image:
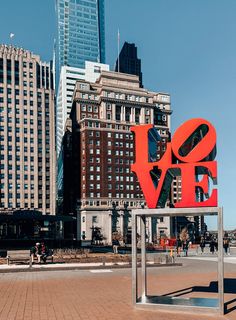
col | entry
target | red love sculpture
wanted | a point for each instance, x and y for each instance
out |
(191, 152)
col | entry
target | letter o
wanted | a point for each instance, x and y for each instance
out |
(202, 149)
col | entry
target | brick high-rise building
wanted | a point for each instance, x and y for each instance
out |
(27, 132)
(99, 149)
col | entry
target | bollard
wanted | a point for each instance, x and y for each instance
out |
(172, 256)
(30, 262)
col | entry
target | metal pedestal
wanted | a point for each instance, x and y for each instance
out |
(145, 301)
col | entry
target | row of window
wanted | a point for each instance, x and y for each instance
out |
(109, 203)
(18, 176)
(92, 160)
(109, 178)
(17, 129)
(121, 153)
(91, 168)
(110, 195)
(109, 169)
(17, 148)
(89, 96)
(26, 205)
(120, 144)
(89, 108)
(31, 112)
(109, 186)
(25, 196)
(25, 74)
(17, 102)
(17, 111)
(96, 142)
(18, 158)
(17, 120)
(93, 133)
(122, 187)
(91, 124)
(18, 186)
(25, 176)
(17, 92)
(121, 135)
(25, 139)
(116, 95)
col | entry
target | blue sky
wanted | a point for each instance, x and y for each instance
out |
(187, 47)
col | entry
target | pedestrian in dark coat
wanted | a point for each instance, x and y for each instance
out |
(185, 247)
(226, 244)
(202, 244)
(212, 246)
(178, 246)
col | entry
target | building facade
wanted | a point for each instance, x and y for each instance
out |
(128, 61)
(99, 149)
(196, 225)
(68, 78)
(81, 32)
(27, 132)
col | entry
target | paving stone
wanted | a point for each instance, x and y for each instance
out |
(75, 295)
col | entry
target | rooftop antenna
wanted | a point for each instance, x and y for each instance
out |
(118, 50)
(54, 64)
(11, 36)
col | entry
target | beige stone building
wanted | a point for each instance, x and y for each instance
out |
(27, 126)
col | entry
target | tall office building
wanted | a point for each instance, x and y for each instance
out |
(81, 32)
(128, 61)
(98, 149)
(27, 132)
(68, 78)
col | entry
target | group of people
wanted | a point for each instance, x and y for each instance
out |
(40, 251)
(184, 245)
(214, 245)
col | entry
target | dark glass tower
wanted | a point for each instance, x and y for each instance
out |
(81, 32)
(129, 62)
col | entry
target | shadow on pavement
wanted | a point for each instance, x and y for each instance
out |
(229, 287)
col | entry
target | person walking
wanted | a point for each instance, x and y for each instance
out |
(212, 246)
(185, 247)
(202, 244)
(216, 243)
(226, 244)
(178, 246)
(115, 245)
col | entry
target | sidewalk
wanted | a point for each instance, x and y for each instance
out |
(4, 268)
(85, 295)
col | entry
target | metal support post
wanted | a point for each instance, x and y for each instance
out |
(143, 258)
(220, 261)
(134, 260)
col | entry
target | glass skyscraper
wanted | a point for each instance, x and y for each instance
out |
(81, 32)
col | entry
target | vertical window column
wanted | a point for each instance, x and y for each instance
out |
(1, 70)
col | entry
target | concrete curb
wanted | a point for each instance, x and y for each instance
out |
(64, 268)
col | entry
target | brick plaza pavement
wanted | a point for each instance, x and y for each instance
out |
(57, 295)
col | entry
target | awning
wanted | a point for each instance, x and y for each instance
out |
(33, 215)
